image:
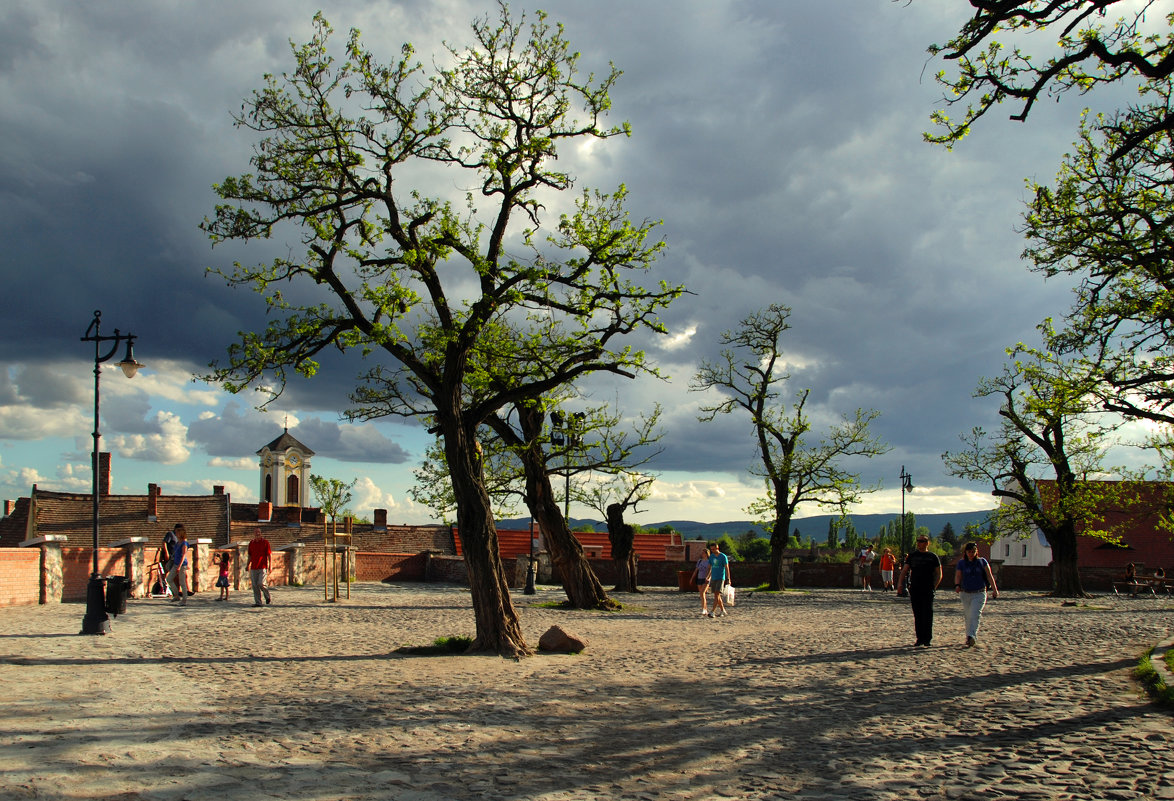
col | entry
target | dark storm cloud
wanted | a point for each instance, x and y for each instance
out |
(44, 386)
(779, 142)
(238, 432)
(235, 432)
(349, 443)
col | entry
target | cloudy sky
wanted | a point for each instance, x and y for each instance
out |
(780, 143)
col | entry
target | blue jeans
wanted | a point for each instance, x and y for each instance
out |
(972, 606)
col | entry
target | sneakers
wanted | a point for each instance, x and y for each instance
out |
(704, 612)
(710, 614)
(721, 613)
(970, 642)
(268, 600)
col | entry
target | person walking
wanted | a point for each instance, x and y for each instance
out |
(920, 575)
(177, 576)
(887, 563)
(972, 577)
(867, 555)
(701, 579)
(719, 576)
(259, 553)
(222, 579)
(165, 552)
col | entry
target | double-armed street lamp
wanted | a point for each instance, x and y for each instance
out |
(567, 429)
(96, 621)
(906, 486)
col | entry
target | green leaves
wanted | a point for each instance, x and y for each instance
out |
(1080, 47)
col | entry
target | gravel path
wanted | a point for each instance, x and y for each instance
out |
(801, 695)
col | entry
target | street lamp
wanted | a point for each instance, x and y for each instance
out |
(906, 486)
(568, 430)
(96, 620)
(531, 567)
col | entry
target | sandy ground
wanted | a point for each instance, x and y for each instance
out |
(809, 695)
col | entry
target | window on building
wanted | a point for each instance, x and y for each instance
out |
(1006, 549)
(291, 491)
(1025, 550)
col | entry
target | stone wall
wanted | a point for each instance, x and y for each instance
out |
(48, 571)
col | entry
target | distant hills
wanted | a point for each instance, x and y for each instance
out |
(815, 527)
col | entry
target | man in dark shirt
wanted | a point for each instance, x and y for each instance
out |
(921, 574)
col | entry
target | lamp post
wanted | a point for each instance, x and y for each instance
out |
(96, 621)
(906, 486)
(568, 430)
(531, 567)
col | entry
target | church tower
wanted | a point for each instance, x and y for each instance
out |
(285, 471)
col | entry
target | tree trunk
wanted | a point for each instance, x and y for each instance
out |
(566, 554)
(1065, 570)
(498, 629)
(779, 536)
(582, 586)
(622, 536)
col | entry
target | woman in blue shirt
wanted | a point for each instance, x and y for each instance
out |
(972, 577)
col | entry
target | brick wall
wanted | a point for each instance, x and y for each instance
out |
(390, 566)
(404, 539)
(20, 576)
(21, 572)
(77, 565)
(512, 543)
(448, 568)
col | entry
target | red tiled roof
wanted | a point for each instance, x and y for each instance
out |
(123, 516)
(512, 543)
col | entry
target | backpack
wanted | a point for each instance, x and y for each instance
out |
(168, 548)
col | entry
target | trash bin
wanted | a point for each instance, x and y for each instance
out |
(117, 591)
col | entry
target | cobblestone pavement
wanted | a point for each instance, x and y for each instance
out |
(800, 695)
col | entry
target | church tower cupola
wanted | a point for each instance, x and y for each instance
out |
(285, 471)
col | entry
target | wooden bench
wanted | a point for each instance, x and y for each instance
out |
(1143, 583)
(1132, 587)
(1163, 584)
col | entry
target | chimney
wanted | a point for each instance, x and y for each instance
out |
(380, 520)
(9, 507)
(152, 502)
(264, 512)
(103, 469)
(217, 489)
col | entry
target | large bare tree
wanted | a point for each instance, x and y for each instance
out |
(797, 468)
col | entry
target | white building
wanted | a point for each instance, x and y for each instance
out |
(1033, 551)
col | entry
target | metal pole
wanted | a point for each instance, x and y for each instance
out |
(906, 486)
(903, 547)
(531, 569)
(97, 452)
(96, 621)
(567, 493)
